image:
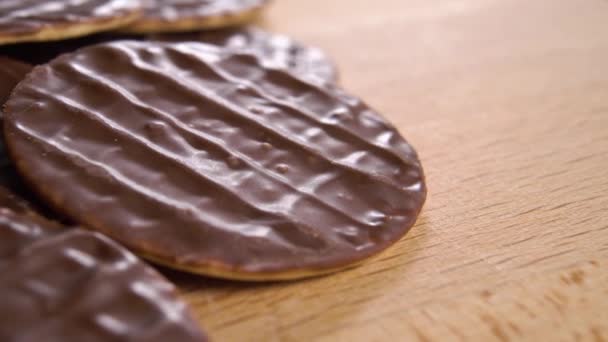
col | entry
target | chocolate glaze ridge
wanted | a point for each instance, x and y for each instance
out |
(272, 49)
(202, 157)
(18, 17)
(62, 284)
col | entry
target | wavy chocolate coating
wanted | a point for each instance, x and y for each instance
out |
(275, 50)
(74, 285)
(201, 157)
(175, 10)
(18, 17)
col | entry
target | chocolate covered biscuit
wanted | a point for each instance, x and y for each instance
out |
(60, 284)
(43, 20)
(205, 160)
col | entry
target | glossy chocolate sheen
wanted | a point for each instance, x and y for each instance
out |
(17, 231)
(201, 157)
(74, 285)
(19, 17)
(274, 50)
(175, 10)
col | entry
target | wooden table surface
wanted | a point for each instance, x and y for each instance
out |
(507, 103)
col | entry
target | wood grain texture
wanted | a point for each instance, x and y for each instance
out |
(507, 104)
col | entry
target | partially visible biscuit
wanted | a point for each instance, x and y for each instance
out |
(190, 15)
(61, 284)
(19, 228)
(272, 49)
(41, 20)
(13, 193)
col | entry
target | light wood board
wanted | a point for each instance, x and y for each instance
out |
(507, 103)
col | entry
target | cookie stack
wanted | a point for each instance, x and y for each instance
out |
(230, 153)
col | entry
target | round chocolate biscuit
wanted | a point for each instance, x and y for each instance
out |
(191, 15)
(63, 284)
(43, 20)
(274, 50)
(202, 159)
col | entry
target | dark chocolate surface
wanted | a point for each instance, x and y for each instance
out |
(12, 189)
(19, 17)
(17, 231)
(74, 285)
(203, 157)
(11, 73)
(275, 50)
(175, 10)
